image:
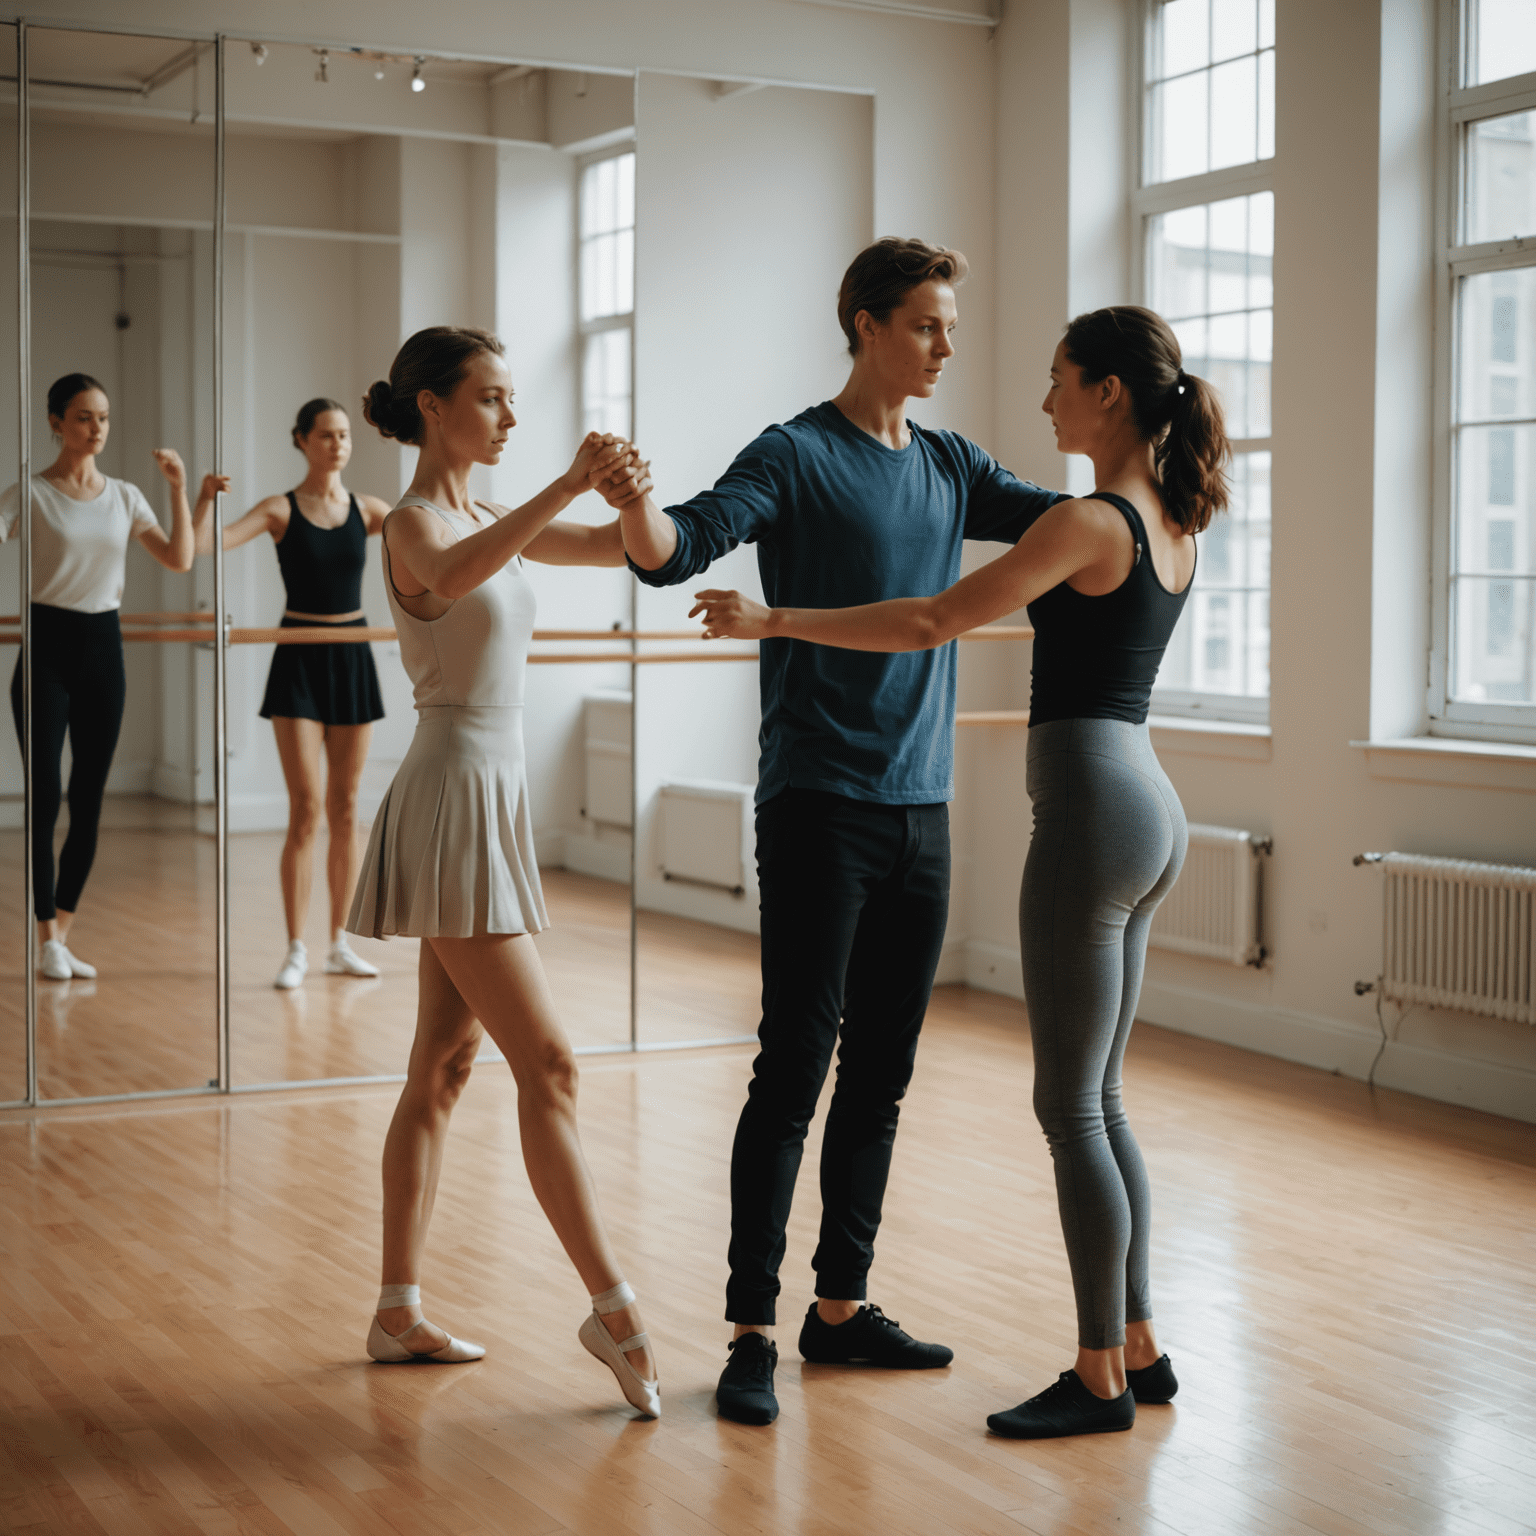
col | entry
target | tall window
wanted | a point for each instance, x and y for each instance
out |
(606, 214)
(1483, 681)
(1205, 230)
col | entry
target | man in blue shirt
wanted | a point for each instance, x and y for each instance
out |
(848, 503)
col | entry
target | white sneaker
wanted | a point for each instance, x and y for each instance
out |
(342, 962)
(53, 962)
(295, 967)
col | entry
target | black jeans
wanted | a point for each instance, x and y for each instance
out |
(854, 901)
(78, 686)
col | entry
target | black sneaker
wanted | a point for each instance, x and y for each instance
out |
(1066, 1408)
(1154, 1383)
(869, 1337)
(745, 1394)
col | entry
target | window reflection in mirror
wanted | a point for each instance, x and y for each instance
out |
(122, 178)
(361, 209)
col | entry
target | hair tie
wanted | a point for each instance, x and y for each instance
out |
(1182, 380)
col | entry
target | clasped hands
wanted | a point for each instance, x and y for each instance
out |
(623, 479)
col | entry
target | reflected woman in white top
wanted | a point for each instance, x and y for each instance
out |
(451, 857)
(82, 524)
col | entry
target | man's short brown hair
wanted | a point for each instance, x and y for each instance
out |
(883, 274)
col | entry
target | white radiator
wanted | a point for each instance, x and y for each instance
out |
(608, 714)
(1458, 935)
(703, 827)
(1215, 908)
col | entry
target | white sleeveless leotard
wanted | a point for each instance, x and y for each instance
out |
(451, 852)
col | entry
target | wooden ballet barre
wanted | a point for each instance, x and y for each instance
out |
(992, 717)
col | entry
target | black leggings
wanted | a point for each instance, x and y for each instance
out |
(79, 686)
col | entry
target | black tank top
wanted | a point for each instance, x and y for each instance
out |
(323, 567)
(1096, 658)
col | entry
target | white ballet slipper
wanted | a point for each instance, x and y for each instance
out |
(599, 1343)
(391, 1348)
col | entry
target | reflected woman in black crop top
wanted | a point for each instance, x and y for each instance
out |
(1104, 577)
(319, 697)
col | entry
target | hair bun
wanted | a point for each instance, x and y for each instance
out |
(378, 408)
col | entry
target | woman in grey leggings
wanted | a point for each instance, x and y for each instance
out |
(1105, 578)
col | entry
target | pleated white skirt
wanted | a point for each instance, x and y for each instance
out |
(451, 852)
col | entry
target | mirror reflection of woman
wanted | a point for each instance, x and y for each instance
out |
(451, 854)
(322, 700)
(82, 524)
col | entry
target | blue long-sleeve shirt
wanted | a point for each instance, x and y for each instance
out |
(839, 519)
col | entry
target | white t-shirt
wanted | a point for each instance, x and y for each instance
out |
(79, 548)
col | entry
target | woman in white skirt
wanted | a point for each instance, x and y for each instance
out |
(451, 857)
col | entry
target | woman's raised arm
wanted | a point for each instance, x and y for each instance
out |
(1070, 537)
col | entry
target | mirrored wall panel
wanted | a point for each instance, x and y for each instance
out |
(13, 906)
(370, 195)
(122, 180)
(796, 169)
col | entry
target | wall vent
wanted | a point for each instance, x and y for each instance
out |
(1216, 906)
(1457, 935)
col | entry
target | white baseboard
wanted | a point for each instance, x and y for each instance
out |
(1313, 1040)
(952, 963)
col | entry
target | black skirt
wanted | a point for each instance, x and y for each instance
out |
(335, 684)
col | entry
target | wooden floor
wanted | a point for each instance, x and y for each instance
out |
(147, 1023)
(1344, 1281)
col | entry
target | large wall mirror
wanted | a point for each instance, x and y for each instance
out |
(122, 174)
(221, 233)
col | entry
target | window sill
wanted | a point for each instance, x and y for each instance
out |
(1189, 737)
(1459, 763)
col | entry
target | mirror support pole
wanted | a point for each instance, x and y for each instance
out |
(221, 621)
(634, 821)
(24, 446)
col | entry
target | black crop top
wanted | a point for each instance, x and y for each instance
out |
(323, 567)
(1096, 658)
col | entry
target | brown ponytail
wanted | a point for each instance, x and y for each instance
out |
(1178, 412)
(435, 360)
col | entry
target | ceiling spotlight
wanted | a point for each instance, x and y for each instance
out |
(417, 83)
(259, 50)
(323, 74)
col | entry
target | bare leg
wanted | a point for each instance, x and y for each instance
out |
(502, 981)
(1102, 1371)
(346, 750)
(442, 1056)
(298, 745)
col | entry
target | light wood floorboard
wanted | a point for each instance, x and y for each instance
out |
(1342, 1278)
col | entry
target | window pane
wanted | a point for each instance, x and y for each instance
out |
(1501, 35)
(1234, 28)
(1494, 556)
(1501, 177)
(605, 382)
(1222, 642)
(1183, 32)
(1211, 79)
(1496, 345)
(1234, 113)
(1210, 272)
(1492, 636)
(1179, 121)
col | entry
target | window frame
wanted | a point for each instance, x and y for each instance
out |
(1457, 107)
(1148, 201)
(619, 322)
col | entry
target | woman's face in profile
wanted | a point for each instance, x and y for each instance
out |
(477, 417)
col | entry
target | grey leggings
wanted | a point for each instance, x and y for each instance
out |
(1109, 840)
